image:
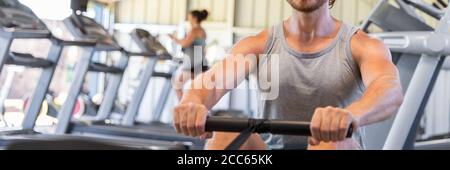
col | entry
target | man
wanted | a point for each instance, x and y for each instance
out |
(330, 73)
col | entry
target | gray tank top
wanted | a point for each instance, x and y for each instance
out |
(194, 54)
(329, 77)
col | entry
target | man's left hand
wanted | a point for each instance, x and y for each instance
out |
(331, 124)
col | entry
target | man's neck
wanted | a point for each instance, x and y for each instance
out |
(308, 26)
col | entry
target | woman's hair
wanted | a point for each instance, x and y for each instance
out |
(201, 15)
(331, 3)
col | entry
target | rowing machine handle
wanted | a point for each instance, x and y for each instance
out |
(281, 127)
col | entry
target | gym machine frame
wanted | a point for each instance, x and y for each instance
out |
(27, 137)
(386, 17)
(99, 125)
(434, 46)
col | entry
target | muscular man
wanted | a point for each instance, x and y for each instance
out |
(329, 73)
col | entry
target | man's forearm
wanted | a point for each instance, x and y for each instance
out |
(380, 101)
(198, 93)
(199, 96)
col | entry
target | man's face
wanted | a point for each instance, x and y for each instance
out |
(307, 6)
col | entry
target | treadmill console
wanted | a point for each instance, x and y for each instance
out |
(14, 15)
(83, 27)
(79, 5)
(148, 42)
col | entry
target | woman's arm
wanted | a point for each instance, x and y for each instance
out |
(187, 41)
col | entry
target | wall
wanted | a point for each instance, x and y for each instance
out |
(242, 17)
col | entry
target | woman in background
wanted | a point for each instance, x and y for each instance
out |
(193, 46)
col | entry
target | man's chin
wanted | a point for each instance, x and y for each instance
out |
(307, 10)
(306, 7)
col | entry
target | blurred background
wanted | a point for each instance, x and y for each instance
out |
(229, 21)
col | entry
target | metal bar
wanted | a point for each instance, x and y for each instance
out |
(33, 109)
(65, 114)
(428, 9)
(111, 90)
(409, 144)
(133, 108)
(386, 17)
(78, 43)
(409, 9)
(6, 88)
(164, 95)
(134, 54)
(31, 34)
(365, 25)
(281, 127)
(444, 24)
(5, 42)
(418, 42)
(249, 98)
(410, 107)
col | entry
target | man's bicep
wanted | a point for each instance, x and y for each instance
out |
(246, 53)
(375, 70)
(376, 63)
(250, 45)
(243, 56)
(232, 70)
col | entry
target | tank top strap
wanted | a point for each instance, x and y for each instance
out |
(352, 30)
(272, 38)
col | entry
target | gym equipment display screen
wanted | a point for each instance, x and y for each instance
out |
(79, 5)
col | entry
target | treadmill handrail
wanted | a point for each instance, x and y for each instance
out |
(281, 127)
(108, 48)
(27, 34)
(79, 43)
(128, 53)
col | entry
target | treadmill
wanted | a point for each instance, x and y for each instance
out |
(149, 44)
(84, 27)
(19, 22)
(12, 28)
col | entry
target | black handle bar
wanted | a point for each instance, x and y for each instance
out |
(281, 127)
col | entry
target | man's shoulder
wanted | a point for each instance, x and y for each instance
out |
(255, 43)
(258, 38)
(361, 38)
(363, 44)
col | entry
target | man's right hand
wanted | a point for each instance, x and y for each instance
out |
(190, 118)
